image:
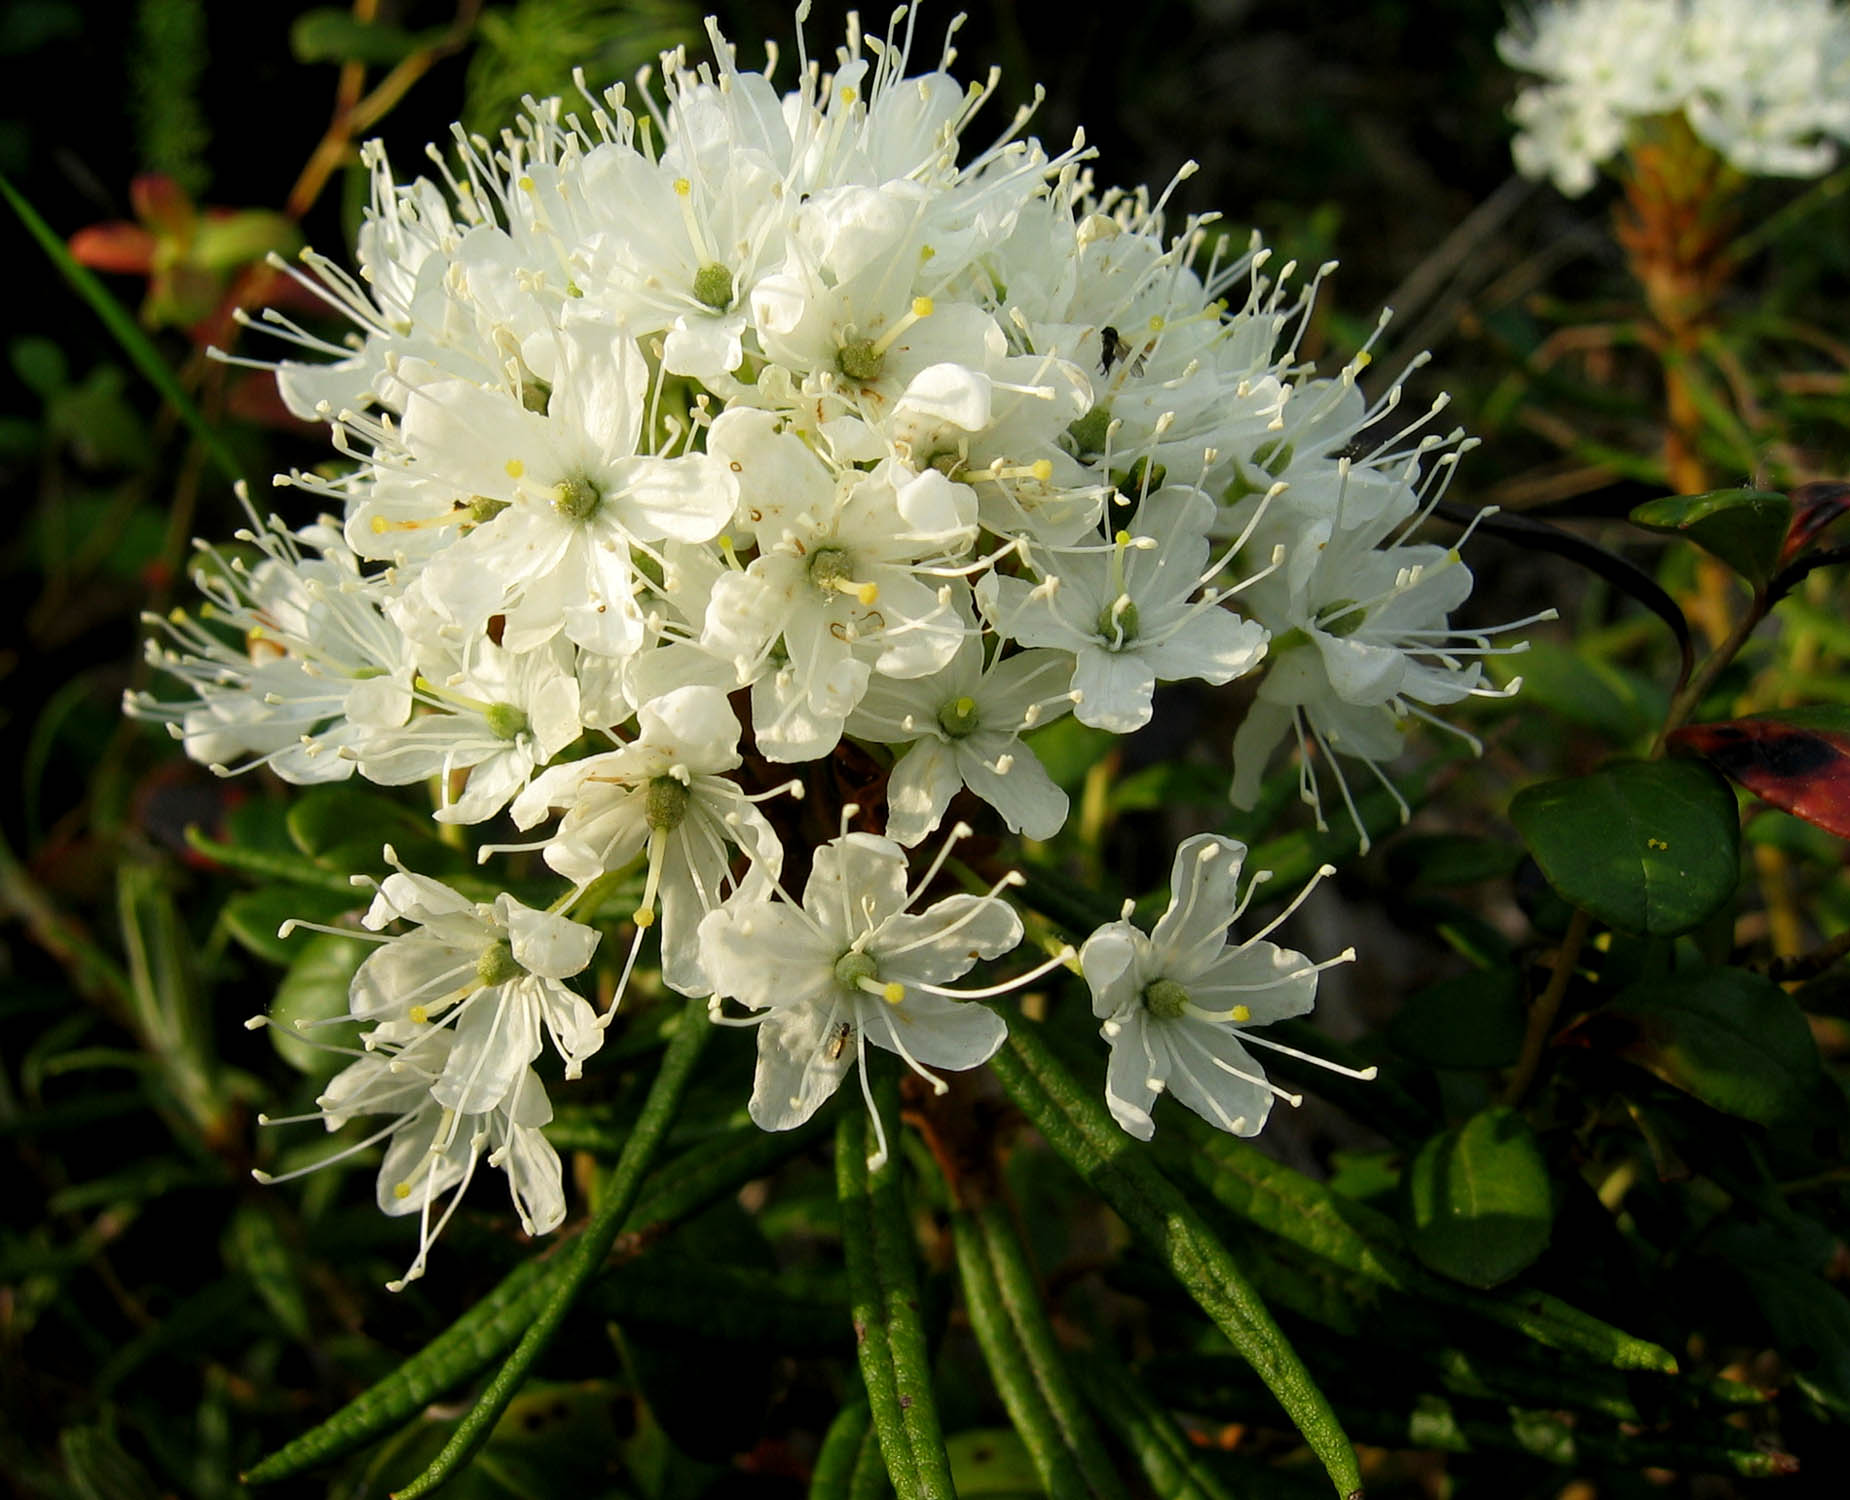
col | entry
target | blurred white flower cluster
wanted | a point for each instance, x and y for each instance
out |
(1766, 83)
(687, 436)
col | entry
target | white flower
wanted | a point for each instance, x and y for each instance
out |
(664, 792)
(1173, 1004)
(489, 973)
(1766, 83)
(432, 1150)
(850, 966)
(963, 725)
(1131, 612)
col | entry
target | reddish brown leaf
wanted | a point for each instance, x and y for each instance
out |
(121, 247)
(1815, 507)
(1799, 767)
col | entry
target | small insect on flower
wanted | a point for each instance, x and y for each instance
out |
(1114, 348)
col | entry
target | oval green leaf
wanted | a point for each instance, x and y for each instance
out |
(1744, 528)
(1477, 1205)
(315, 989)
(1645, 846)
(1734, 1040)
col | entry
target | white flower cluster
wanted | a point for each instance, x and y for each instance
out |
(1766, 83)
(786, 408)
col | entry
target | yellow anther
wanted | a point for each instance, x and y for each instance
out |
(867, 592)
(682, 187)
(644, 916)
(515, 468)
(381, 526)
(419, 1014)
(526, 185)
(1363, 360)
(1041, 469)
(1123, 539)
(1240, 1014)
(848, 95)
(1157, 323)
(921, 307)
(892, 992)
(965, 707)
(403, 1190)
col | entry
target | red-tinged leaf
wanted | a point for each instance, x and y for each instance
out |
(1797, 760)
(162, 204)
(1815, 508)
(123, 248)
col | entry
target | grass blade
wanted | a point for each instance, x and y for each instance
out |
(1158, 1445)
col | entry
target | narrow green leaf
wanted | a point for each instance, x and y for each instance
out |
(100, 1468)
(334, 36)
(1079, 1129)
(677, 1190)
(126, 331)
(1645, 846)
(1055, 1463)
(883, 1289)
(850, 1432)
(1022, 1302)
(253, 917)
(584, 1258)
(1744, 528)
(1358, 1238)
(255, 1246)
(1160, 1448)
(1478, 1199)
(1734, 1040)
(454, 1355)
(267, 864)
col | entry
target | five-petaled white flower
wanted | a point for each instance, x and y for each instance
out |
(1174, 1004)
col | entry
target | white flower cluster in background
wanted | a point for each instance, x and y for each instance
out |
(1766, 83)
(683, 439)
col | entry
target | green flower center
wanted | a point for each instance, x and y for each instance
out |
(1139, 479)
(577, 499)
(829, 565)
(1089, 432)
(1164, 999)
(1117, 622)
(535, 395)
(860, 359)
(1343, 617)
(854, 966)
(666, 806)
(505, 721)
(958, 718)
(497, 965)
(713, 286)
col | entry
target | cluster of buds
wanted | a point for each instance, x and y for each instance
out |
(692, 435)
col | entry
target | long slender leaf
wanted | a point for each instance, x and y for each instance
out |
(883, 1288)
(1010, 1368)
(1315, 1218)
(584, 1259)
(463, 1348)
(1160, 1448)
(850, 1433)
(127, 332)
(1023, 1356)
(676, 1191)
(1078, 1128)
